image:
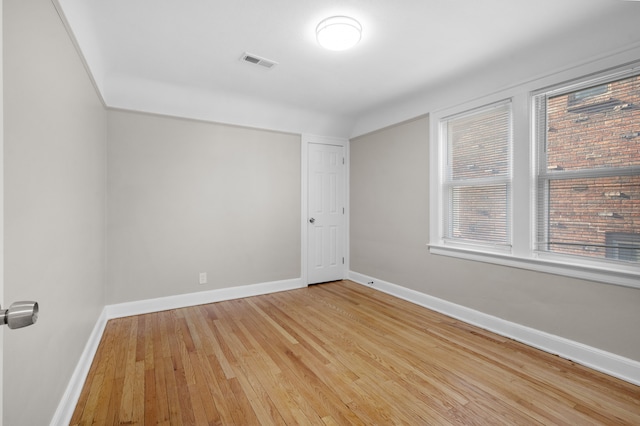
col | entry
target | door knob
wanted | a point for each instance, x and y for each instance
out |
(19, 314)
(312, 220)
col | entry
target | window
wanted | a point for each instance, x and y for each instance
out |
(477, 174)
(588, 177)
(623, 246)
(547, 180)
(581, 96)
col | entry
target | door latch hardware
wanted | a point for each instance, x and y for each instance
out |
(19, 314)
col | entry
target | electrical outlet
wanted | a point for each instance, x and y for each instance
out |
(203, 278)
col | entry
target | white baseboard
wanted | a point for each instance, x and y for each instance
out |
(597, 359)
(200, 298)
(70, 398)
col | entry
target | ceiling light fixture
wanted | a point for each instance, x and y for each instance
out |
(338, 33)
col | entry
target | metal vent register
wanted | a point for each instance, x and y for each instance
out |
(257, 60)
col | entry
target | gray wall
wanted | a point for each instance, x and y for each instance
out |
(186, 197)
(390, 229)
(54, 153)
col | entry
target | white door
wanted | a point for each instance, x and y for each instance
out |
(326, 221)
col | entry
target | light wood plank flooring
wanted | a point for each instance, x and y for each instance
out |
(334, 354)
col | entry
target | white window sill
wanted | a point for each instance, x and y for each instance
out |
(627, 278)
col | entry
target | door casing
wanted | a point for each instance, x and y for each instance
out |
(1, 210)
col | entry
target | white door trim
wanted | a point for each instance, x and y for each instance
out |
(1, 210)
(306, 139)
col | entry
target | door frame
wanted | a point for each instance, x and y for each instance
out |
(1, 209)
(305, 140)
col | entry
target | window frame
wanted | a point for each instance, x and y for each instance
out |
(543, 174)
(524, 164)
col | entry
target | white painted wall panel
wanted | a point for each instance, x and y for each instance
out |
(55, 164)
(186, 197)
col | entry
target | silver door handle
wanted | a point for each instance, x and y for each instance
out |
(19, 314)
(312, 220)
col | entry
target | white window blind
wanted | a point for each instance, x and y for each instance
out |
(588, 184)
(477, 176)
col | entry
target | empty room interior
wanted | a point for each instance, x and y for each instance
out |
(320, 212)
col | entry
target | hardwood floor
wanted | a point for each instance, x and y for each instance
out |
(334, 354)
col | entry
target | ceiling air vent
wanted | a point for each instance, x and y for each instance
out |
(257, 60)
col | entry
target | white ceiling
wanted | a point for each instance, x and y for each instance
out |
(183, 56)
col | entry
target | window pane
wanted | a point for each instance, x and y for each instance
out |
(583, 94)
(623, 246)
(587, 217)
(595, 127)
(479, 214)
(478, 144)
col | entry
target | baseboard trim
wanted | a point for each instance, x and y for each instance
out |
(200, 298)
(70, 398)
(67, 405)
(597, 359)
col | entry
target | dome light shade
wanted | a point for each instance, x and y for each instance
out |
(338, 33)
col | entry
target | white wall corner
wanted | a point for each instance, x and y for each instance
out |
(596, 359)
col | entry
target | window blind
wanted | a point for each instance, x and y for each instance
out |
(477, 176)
